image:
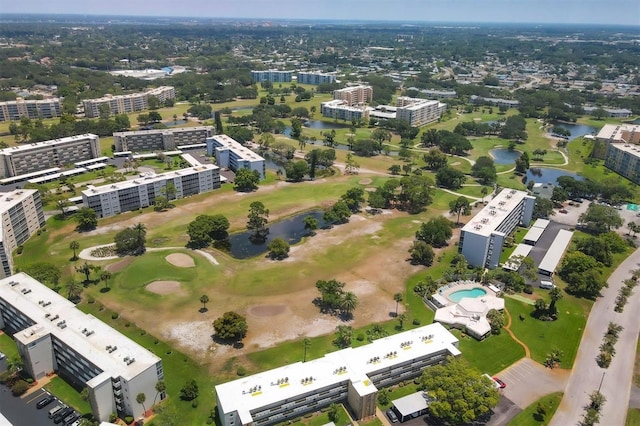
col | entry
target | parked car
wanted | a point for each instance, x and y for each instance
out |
(55, 410)
(392, 415)
(45, 401)
(547, 285)
(70, 419)
(563, 211)
(60, 415)
(500, 383)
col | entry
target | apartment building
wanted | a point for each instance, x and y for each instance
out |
(123, 104)
(507, 103)
(353, 96)
(162, 139)
(481, 239)
(620, 133)
(351, 376)
(624, 159)
(316, 78)
(418, 112)
(135, 194)
(233, 155)
(611, 112)
(338, 110)
(274, 76)
(32, 108)
(54, 336)
(22, 215)
(29, 158)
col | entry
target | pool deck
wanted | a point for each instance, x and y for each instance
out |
(445, 291)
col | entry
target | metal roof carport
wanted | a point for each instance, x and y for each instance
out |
(411, 406)
(555, 252)
(532, 237)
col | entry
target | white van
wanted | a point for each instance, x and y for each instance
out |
(548, 285)
(54, 410)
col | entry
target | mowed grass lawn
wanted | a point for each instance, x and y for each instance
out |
(633, 417)
(68, 395)
(543, 336)
(527, 417)
(493, 354)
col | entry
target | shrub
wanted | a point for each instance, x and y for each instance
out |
(241, 371)
(19, 388)
(114, 316)
(128, 420)
(91, 300)
(19, 250)
(528, 289)
(112, 417)
(416, 322)
(360, 337)
(194, 403)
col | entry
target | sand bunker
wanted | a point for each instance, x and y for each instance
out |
(180, 260)
(266, 310)
(366, 181)
(164, 287)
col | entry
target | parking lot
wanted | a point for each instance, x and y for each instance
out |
(23, 411)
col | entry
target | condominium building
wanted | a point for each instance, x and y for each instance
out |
(356, 95)
(231, 154)
(508, 103)
(162, 139)
(54, 336)
(418, 112)
(351, 376)
(481, 239)
(611, 112)
(32, 108)
(28, 158)
(438, 94)
(339, 110)
(316, 78)
(135, 194)
(123, 104)
(624, 159)
(22, 216)
(274, 76)
(620, 133)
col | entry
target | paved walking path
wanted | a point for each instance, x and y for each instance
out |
(615, 382)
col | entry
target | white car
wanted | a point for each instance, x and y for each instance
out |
(548, 285)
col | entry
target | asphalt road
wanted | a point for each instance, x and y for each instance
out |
(614, 382)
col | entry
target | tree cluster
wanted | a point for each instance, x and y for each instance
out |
(131, 240)
(230, 326)
(583, 274)
(206, 228)
(410, 193)
(246, 180)
(334, 298)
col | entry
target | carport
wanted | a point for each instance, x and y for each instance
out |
(411, 406)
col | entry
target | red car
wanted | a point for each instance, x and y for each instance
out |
(500, 383)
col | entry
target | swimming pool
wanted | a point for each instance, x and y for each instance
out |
(456, 296)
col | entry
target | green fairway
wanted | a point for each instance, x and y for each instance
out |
(529, 416)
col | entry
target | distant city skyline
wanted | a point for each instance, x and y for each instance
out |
(607, 12)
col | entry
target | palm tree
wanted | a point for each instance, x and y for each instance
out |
(140, 399)
(86, 269)
(401, 319)
(349, 302)
(74, 245)
(161, 386)
(105, 276)
(344, 335)
(484, 191)
(141, 232)
(204, 299)
(74, 290)
(398, 298)
(306, 342)
(555, 294)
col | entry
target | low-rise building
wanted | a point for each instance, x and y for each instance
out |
(339, 110)
(274, 76)
(109, 200)
(481, 239)
(161, 139)
(123, 104)
(22, 216)
(31, 108)
(54, 336)
(499, 102)
(351, 376)
(33, 157)
(418, 112)
(316, 78)
(354, 95)
(233, 155)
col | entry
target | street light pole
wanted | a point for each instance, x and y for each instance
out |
(601, 380)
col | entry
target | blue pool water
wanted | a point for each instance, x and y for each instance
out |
(456, 296)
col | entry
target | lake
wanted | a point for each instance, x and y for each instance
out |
(548, 175)
(576, 130)
(504, 156)
(291, 230)
(325, 125)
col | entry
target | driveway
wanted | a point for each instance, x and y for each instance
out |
(614, 382)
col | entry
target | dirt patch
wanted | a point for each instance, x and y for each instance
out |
(165, 287)
(181, 260)
(370, 189)
(119, 265)
(266, 310)
(365, 181)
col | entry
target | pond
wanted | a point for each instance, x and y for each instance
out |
(548, 175)
(576, 129)
(291, 230)
(325, 125)
(504, 156)
(175, 123)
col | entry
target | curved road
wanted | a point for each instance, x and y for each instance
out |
(615, 381)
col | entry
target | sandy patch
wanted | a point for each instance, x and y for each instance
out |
(365, 181)
(181, 260)
(266, 310)
(370, 189)
(120, 265)
(165, 287)
(456, 163)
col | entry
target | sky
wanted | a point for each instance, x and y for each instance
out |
(618, 12)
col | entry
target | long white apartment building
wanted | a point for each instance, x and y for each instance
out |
(22, 216)
(481, 239)
(161, 139)
(54, 336)
(355, 95)
(339, 110)
(233, 155)
(418, 112)
(109, 200)
(307, 77)
(31, 108)
(274, 76)
(34, 157)
(122, 104)
(351, 376)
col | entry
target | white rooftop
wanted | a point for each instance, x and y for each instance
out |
(541, 223)
(557, 248)
(351, 364)
(412, 403)
(616, 132)
(163, 131)
(630, 148)
(87, 335)
(243, 153)
(146, 178)
(11, 199)
(49, 143)
(493, 214)
(533, 234)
